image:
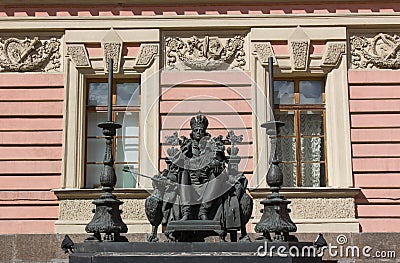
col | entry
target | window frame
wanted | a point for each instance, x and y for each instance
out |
(297, 108)
(115, 109)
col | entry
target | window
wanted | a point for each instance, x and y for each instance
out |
(300, 104)
(126, 111)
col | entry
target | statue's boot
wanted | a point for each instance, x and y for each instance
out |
(185, 217)
(203, 210)
(185, 212)
(203, 217)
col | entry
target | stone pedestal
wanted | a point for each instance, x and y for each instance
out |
(194, 252)
(193, 230)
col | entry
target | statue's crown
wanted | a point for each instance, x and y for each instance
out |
(199, 121)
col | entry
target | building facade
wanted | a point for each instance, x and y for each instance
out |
(336, 88)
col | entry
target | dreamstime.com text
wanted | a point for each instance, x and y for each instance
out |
(341, 250)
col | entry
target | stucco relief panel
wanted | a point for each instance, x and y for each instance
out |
(205, 52)
(375, 51)
(30, 54)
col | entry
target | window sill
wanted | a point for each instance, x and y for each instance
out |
(121, 193)
(308, 192)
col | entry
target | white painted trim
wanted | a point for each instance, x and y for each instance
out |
(127, 35)
(314, 33)
(338, 127)
(260, 115)
(149, 123)
(202, 21)
(75, 109)
(337, 109)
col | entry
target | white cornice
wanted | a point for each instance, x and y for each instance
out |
(202, 21)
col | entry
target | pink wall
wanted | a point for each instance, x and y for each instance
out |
(375, 129)
(31, 109)
(224, 97)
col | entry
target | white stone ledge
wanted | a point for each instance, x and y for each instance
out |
(308, 192)
(202, 21)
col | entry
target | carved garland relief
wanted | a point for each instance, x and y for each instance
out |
(208, 53)
(29, 55)
(380, 52)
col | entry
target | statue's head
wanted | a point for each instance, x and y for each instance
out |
(199, 126)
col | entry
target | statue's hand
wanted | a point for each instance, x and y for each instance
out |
(186, 146)
(216, 166)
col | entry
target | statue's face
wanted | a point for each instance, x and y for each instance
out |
(198, 133)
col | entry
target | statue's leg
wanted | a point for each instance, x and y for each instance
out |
(203, 210)
(233, 235)
(244, 237)
(153, 237)
(185, 194)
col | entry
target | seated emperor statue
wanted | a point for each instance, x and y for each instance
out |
(200, 183)
(204, 160)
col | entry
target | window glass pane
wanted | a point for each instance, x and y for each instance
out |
(95, 118)
(287, 149)
(283, 92)
(128, 94)
(310, 91)
(127, 150)
(129, 122)
(289, 174)
(125, 179)
(312, 149)
(95, 150)
(286, 117)
(93, 172)
(311, 123)
(98, 94)
(311, 174)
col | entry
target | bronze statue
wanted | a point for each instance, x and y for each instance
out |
(201, 185)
